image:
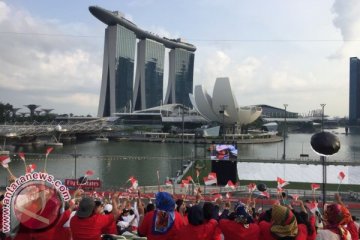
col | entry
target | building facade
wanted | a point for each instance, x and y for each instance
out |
(354, 90)
(118, 92)
(118, 70)
(148, 90)
(181, 71)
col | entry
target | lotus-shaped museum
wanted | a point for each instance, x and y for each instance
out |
(222, 107)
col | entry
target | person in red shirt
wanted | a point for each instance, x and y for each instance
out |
(86, 224)
(198, 228)
(162, 223)
(282, 225)
(241, 228)
(108, 208)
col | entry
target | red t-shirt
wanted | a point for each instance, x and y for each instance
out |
(204, 231)
(233, 230)
(145, 229)
(90, 228)
(265, 233)
(51, 233)
(111, 229)
(312, 220)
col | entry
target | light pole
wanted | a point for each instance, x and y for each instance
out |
(222, 111)
(75, 155)
(182, 140)
(284, 133)
(322, 158)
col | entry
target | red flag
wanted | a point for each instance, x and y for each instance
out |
(5, 159)
(217, 196)
(189, 178)
(251, 187)
(134, 182)
(228, 195)
(48, 151)
(168, 183)
(295, 196)
(230, 184)
(210, 179)
(265, 194)
(184, 183)
(341, 176)
(315, 186)
(281, 182)
(89, 173)
(22, 156)
(30, 168)
(212, 175)
(313, 206)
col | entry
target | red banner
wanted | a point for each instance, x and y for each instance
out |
(88, 184)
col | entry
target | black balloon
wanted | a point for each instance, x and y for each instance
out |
(325, 143)
(82, 180)
(261, 187)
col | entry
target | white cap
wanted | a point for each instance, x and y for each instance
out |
(108, 207)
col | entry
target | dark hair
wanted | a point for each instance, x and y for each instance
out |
(266, 216)
(208, 210)
(150, 207)
(196, 215)
(98, 203)
(303, 218)
(178, 203)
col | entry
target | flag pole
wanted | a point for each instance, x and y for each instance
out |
(9, 171)
(339, 186)
(158, 180)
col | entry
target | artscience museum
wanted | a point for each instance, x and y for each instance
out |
(222, 107)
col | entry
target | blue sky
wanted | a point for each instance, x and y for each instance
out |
(274, 52)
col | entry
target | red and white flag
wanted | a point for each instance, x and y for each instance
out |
(251, 187)
(281, 182)
(184, 183)
(22, 156)
(315, 186)
(210, 179)
(312, 206)
(5, 159)
(228, 195)
(190, 179)
(217, 196)
(341, 176)
(265, 194)
(48, 151)
(295, 196)
(168, 182)
(30, 168)
(230, 184)
(89, 173)
(134, 182)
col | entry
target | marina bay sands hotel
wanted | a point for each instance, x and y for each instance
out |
(118, 92)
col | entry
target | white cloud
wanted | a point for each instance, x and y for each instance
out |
(347, 20)
(39, 57)
(4, 11)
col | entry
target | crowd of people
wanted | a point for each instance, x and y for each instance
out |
(88, 218)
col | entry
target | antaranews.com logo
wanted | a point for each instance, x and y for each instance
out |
(35, 200)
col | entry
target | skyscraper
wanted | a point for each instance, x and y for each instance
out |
(354, 91)
(118, 93)
(118, 71)
(181, 71)
(149, 76)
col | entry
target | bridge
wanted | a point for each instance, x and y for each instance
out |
(51, 129)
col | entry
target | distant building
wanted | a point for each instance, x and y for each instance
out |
(181, 71)
(274, 112)
(354, 90)
(117, 94)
